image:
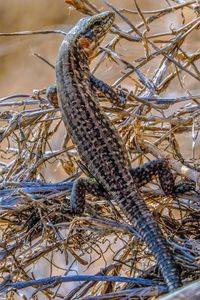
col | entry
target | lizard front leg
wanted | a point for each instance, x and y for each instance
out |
(116, 96)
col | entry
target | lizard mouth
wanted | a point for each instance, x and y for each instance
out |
(110, 19)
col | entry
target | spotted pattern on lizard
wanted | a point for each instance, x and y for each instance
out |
(97, 141)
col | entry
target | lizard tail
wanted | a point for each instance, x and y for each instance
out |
(142, 220)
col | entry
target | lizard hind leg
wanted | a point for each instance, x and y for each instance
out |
(168, 184)
(184, 187)
(77, 198)
(166, 178)
(80, 187)
(144, 174)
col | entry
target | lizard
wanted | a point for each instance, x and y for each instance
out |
(99, 145)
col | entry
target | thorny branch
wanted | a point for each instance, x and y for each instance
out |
(35, 215)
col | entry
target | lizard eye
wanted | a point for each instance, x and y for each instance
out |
(97, 23)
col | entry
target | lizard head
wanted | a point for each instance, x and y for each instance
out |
(91, 30)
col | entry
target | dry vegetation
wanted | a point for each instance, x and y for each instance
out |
(35, 216)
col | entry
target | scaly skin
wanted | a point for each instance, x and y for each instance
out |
(98, 143)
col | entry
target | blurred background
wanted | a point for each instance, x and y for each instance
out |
(22, 72)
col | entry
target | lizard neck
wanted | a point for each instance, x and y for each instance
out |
(76, 98)
(76, 60)
(73, 72)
